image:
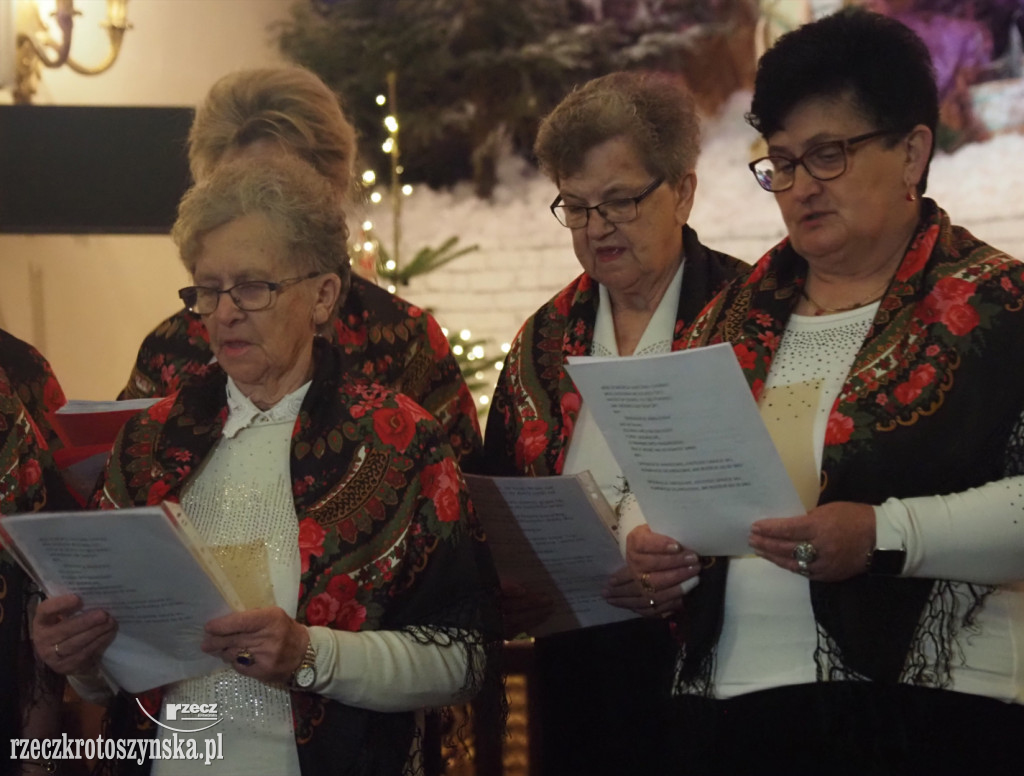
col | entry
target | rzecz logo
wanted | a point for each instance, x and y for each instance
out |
(190, 714)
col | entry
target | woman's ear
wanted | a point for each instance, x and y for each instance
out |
(328, 293)
(684, 191)
(918, 152)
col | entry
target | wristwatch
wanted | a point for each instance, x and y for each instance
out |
(304, 676)
(886, 563)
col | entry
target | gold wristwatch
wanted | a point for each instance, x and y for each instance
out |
(304, 676)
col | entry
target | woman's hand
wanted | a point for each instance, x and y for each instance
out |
(69, 640)
(271, 642)
(522, 610)
(658, 574)
(842, 534)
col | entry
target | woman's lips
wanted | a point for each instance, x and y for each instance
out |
(608, 254)
(233, 347)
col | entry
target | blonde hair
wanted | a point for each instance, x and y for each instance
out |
(290, 105)
(654, 111)
(299, 203)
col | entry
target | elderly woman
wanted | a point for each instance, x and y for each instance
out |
(336, 502)
(880, 632)
(622, 151)
(267, 111)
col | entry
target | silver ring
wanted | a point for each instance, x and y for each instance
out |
(805, 554)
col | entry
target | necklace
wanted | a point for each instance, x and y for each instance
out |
(820, 309)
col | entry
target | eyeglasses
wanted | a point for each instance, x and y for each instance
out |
(823, 162)
(614, 211)
(250, 296)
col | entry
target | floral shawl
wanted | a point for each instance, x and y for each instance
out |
(386, 340)
(931, 406)
(535, 403)
(28, 482)
(32, 381)
(386, 536)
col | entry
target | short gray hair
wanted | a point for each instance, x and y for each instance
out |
(654, 111)
(302, 205)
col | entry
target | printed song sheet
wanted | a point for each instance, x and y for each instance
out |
(144, 567)
(552, 536)
(688, 435)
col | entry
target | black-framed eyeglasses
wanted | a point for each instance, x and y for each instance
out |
(250, 296)
(614, 211)
(824, 162)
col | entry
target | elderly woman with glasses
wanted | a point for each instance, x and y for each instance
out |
(881, 631)
(622, 151)
(263, 112)
(334, 503)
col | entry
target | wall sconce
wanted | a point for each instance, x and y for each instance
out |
(36, 47)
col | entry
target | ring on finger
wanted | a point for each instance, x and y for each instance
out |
(645, 584)
(244, 658)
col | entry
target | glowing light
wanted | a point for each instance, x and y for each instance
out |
(387, 145)
(390, 264)
(391, 289)
(407, 189)
(444, 330)
(375, 197)
(391, 123)
(498, 365)
(457, 350)
(367, 246)
(478, 351)
(483, 400)
(505, 347)
(465, 334)
(381, 99)
(478, 376)
(367, 226)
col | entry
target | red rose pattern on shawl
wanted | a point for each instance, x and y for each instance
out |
(908, 373)
(387, 340)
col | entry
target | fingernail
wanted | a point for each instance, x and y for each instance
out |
(691, 559)
(673, 547)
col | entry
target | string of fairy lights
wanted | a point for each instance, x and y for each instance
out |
(366, 251)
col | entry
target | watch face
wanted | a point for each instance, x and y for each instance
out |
(305, 675)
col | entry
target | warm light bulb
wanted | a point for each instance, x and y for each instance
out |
(391, 289)
(367, 246)
(498, 365)
(407, 189)
(387, 146)
(505, 347)
(391, 123)
(390, 264)
(367, 226)
(484, 400)
(457, 350)
(381, 99)
(465, 334)
(375, 197)
(369, 176)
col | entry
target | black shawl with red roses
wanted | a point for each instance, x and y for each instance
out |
(385, 339)
(932, 405)
(535, 402)
(386, 536)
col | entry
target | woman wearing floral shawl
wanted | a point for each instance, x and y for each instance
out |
(880, 632)
(622, 151)
(334, 503)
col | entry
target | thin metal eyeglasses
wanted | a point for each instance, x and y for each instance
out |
(823, 162)
(614, 211)
(249, 296)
